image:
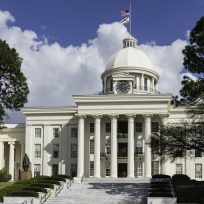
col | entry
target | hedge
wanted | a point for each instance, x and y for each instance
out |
(180, 179)
(35, 189)
(4, 176)
(43, 185)
(50, 182)
(160, 190)
(159, 186)
(64, 176)
(160, 194)
(58, 178)
(161, 176)
(24, 194)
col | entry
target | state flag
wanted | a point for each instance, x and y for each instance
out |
(125, 13)
(125, 20)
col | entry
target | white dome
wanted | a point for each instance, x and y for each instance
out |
(129, 57)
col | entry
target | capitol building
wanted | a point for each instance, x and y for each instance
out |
(103, 135)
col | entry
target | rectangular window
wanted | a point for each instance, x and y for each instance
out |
(155, 167)
(55, 132)
(91, 168)
(74, 132)
(91, 146)
(73, 170)
(198, 153)
(91, 128)
(37, 150)
(108, 147)
(179, 169)
(139, 169)
(198, 170)
(145, 84)
(55, 169)
(37, 132)
(155, 127)
(108, 170)
(36, 170)
(55, 151)
(139, 145)
(108, 127)
(73, 150)
(138, 127)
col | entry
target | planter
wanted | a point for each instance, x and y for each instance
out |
(161, 200)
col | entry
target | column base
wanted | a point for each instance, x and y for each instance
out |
(77, 179)
(97, 176)
(114, 176)
(130, 176)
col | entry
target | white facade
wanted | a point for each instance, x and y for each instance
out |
(102, 135)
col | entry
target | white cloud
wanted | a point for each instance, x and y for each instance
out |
(55, 72)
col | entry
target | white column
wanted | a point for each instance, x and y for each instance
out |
(11, 159)
(131, 146)
(142, 82)
(104, 85)
(157, 87)
(97, 138)
(164, 122)
(80, 148)
(22, 154)
(153, 89)
(2, 162)
(148, 153)
(114, 163)
(138, 83)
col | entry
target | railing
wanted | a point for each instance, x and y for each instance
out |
(45, 197)
(69, 183)
(58, 190)
(31, 202)
(24, 202)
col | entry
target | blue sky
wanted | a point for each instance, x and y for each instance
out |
(76, 21)
(65, 44)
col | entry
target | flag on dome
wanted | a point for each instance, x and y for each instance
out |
(125, 20)
(125, 13)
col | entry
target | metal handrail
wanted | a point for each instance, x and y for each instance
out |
(24, 202)
(58, 190)
(45, 197)
(31, 202)
(69, 183)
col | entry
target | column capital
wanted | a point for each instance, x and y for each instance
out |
(113, 116)
(81, 115)
(148, 115)
(130, 115)
(164, 115)
(21, 142)
(11, 142)
(97, 116)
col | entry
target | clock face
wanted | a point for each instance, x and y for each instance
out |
(122, 87)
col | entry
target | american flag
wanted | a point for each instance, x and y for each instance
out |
(125, 13)
(125, 20)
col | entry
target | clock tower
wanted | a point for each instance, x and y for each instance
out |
(129, 71)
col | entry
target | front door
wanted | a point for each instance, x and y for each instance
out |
(122, 170)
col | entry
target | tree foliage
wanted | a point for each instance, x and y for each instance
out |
(192, 91)
(172, 142)
(13, 86)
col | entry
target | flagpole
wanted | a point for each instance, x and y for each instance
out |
(130, 23)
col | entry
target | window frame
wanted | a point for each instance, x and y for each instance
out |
(91, 146)
(55, 165)
(138, 129)
(179, 171)
(38, 132)
(55, 133)
(73, 150)
(74, 132)
(38, 152)
(91, 127)
(198, 174)
(55, 151)
(108, 127)
(37, 173)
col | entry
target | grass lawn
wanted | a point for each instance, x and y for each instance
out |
(4, 184)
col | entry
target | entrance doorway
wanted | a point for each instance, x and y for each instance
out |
(122, 170)
(122, 149)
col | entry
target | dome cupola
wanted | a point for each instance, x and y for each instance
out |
(129, 71)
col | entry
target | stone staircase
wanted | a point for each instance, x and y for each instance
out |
(104, 191)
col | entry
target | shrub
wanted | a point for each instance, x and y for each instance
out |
(43, 185)
(160, 194)
(24, 194)
(58, 178)
(168, 190)
(180, 179)
(50, 181)
(35, 189)
(161, 176)
(160, 186)
(42, 177)
(4, 176)
(160, 183)
(64, 176)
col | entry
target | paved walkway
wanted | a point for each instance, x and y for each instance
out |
(104, 191)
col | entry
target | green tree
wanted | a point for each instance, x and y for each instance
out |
(192, 91)
(13, 86)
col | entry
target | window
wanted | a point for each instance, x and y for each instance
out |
(37, 150)
(55, 151)
(179, 169)
(91, 168)
(108, 127)
(36, 170)
(155, 167)
(91, 146)
(73, 170)
(198, 153)
(55, 132)
(139, 169)
(37, 132)
(108, 147)
(145, 84)
(91, 128)
(139, 147)
(55, 169)
(74, 132)
(138, 127)
(107, 166)
(198, 170)
(73, 150)
(111, 85)
(155, 127)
